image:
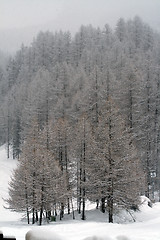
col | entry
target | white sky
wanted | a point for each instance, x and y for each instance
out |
(22, 15)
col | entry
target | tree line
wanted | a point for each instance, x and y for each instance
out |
(94, 100)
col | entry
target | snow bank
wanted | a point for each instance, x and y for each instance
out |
(122, 238)
(97, 238)
(41, 235)
(146, 201)
(50, 235)
(106, 238)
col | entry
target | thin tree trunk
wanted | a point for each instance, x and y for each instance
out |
(148, 160)
(8, 141)
(33, 216)
(41, 215)
(27, 211)
(36, 216)
(68, 206)
(110, 182)
(147, 193)
(83, 205)
(84, 176)
(72, 209)
(97, 204)
(80, 184)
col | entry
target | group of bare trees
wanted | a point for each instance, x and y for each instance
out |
(85, 111)
(64, 162)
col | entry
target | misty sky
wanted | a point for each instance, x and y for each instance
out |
(22, 19)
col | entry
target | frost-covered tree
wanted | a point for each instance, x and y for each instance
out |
(115, 168)
(38, 184)
(83, 146)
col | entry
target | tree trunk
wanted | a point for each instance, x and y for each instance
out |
(40, 217)
(62, 211)
(27, 216)
(8, 140)
(72, 209)
(80, 183)
(110, 180)
(36, 216)
(79, 203)
(103, 204)
(97, 204)
(33, 216)
(83, 205)
(69, 206)
(84, 176)
(110, 208)
(147, 193)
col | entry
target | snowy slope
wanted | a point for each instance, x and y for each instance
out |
(146, 227)
(6, 168)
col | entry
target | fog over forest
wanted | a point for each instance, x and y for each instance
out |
(21, 20)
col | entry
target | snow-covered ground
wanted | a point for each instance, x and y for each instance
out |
(146, 227)
(6, 168)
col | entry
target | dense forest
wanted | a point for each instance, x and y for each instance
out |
(82, 115)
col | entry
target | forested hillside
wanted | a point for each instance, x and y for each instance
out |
(82, 114)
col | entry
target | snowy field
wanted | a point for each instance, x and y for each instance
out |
(146, 227)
